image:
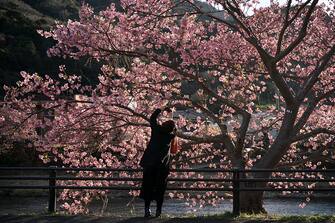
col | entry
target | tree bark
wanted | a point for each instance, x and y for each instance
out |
(251, 202)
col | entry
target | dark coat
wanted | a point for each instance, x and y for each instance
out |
(158, 149)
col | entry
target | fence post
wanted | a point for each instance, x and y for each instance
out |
(236, 191)
(52, 190)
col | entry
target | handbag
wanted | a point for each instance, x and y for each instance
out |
(174, 145)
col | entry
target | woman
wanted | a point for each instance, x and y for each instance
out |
(155, 162)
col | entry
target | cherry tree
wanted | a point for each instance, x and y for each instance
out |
(151, 51)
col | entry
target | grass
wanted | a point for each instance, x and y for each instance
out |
(313, 218)
(264, 106)
(225, 217)
(274, 218)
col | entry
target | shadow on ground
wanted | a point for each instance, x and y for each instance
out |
(96, 219)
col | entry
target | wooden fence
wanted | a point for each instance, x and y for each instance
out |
(235, 181)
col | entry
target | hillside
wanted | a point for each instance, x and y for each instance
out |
(21, 48)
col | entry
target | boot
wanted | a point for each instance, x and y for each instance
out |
(147, 211)
(159, 207)
(158, 212)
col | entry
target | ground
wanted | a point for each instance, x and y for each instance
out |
(213, 219)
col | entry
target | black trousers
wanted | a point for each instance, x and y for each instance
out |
(154, 184)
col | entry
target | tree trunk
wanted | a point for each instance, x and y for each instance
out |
(251, 202)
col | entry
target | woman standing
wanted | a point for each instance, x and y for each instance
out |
(155, 162)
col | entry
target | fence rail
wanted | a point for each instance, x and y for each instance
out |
(235, 181)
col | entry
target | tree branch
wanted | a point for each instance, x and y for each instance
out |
(314, 75)
(305, 116)
(285, 26)
(311, 134)
(301, 35)
(242, 132)
(288, 22)
(207, 139)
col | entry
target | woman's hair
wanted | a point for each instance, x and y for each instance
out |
(169, 126)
